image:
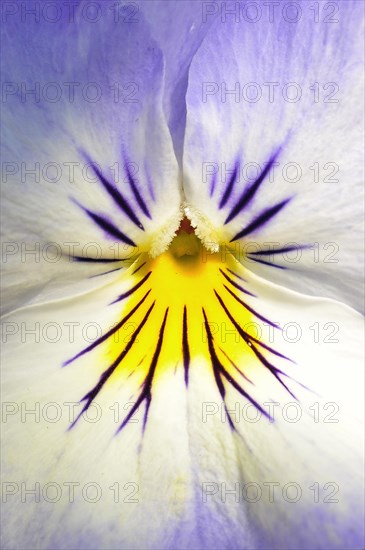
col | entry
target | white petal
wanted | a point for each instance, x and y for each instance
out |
(179, 29)
(135, 490)
(315, 141)
(313, 449)
(107, 79)
(181, 463)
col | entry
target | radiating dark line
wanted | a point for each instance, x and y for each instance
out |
(213, 356)
(215, 364)
(150, 186)
(219, 369)
(136, 193)
(229, 187)
(251, 191)
(235, 366)
(213, 184)
(249, 339)
(269, 348)
(146, 391)
(253, 311)
(265, 262)
(245, 335)
(260, 220)
(116, 195)
(108, 226)
(185, 347)
(274, 371)
(133, 289)
(149, 379)
(90, 396)
(109, 333)
(235, 384)
(236, 285)
(138, 268)
(100, 260)
(236, 275)
(279, 250)
(105, 273)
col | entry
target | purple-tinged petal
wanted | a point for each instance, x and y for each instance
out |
(83, 110)
(179, 28)
(275, 112)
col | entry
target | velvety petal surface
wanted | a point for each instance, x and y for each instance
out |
(274, 142)
(271, 409)
(88, 163)
(139, 392)
(179, 28)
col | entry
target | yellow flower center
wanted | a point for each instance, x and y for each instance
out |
(186, 307)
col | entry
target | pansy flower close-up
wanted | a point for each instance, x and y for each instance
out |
(182, 280)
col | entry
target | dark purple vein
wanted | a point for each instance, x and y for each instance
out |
(251, 191)
(261, 220)
(253, 311)
(146, 394)
(133, 289)
(185, 347)
(236, 285)
(90, 396)
(136, 193)
(117, 196)
(109, 333)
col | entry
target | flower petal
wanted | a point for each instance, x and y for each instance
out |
(273, 142)
(124, 488)
(290, 480)
(106, 181)
(180, 501)
(179, 29)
